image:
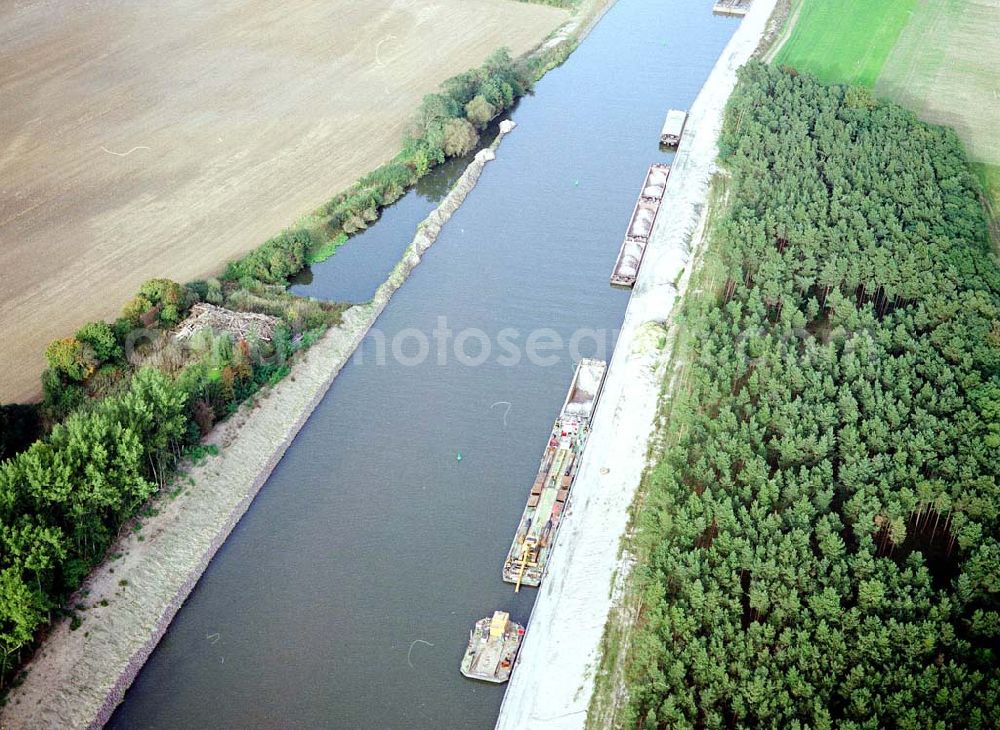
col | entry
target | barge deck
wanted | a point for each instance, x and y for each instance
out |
(536, 532)
(640, 226)
(493, 646)
(738, 8)
(673, 128)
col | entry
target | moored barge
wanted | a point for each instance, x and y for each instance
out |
(493, 646)
(738, 8)
(536, 532)
(640, 226)
(673, 128)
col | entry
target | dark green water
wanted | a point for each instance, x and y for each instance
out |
(358, 267)
(371, 535)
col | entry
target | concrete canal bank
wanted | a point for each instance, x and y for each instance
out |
(344, 596)
(553, 678)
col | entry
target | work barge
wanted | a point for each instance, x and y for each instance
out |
(738, 8)
(536, 532)
(493, 646)
(640, 226)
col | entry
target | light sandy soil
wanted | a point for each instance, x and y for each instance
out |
(161, 139)
(77, 678)
(553, 680)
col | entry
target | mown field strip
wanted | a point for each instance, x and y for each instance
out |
(936, 57)
(944, 67)
(845, 40)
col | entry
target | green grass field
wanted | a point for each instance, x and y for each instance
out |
(936, 57)
(944, 66)
(844, 40)
(989, 178)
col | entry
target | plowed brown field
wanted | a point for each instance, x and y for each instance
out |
(162, 139)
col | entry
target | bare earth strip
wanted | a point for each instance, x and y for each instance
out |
(77, 678)
(553, 680)
(161, 139)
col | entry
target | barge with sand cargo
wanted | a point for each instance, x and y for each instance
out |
(640, 225)
(536, 532)
(493, 646)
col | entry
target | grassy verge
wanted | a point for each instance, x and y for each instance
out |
(612, 679)
(844, 40)
(989, 178)
(779, 26)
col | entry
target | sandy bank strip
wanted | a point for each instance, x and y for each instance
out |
(77, 678)
(554, 679)
(587, 15)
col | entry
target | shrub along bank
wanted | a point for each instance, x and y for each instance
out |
(127, 402)
(123, 401)
(447, 124)
(819, 540)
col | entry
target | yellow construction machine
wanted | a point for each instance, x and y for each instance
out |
(528, 558)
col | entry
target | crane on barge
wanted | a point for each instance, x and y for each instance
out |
(529, 558)
(536, 534)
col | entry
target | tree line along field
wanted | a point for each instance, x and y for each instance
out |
(818, 541)
(937, 57)
(113, 424)
(164, 140)
(944, 66)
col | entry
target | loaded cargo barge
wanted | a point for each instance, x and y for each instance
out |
(640, 225)
(536, 532)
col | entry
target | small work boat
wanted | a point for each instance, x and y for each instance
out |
(493, 646)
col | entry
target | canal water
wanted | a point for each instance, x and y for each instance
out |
(359, 266)
(345, 595)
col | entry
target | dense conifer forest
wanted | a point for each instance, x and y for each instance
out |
(818, 541)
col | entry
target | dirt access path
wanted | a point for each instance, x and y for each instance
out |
(162, 139)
